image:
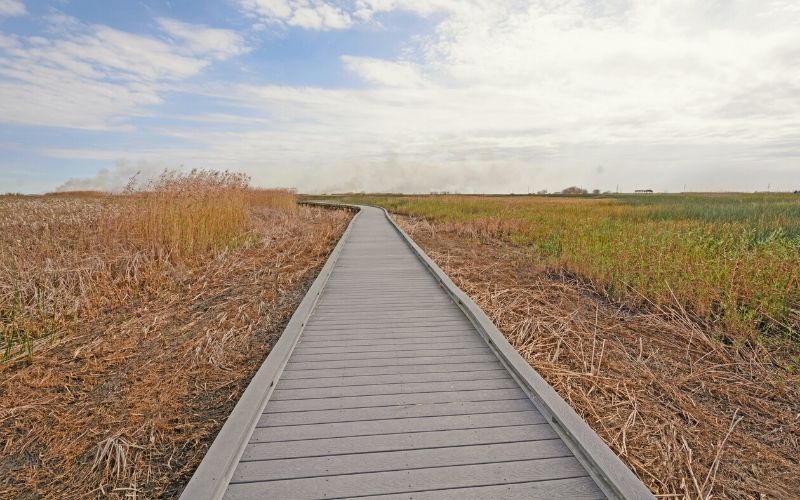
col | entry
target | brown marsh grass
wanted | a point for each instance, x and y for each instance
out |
(132, 323)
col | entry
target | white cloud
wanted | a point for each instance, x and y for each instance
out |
(307, 14)
(96, 77)
(389, 73)
(506, 95)
(10, 8)
(510, 93)
(202, 40)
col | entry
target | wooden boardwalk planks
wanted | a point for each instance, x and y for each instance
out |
(391, 391)
(379, 292)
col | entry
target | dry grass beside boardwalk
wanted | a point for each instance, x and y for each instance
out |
(132, 323)
(694, 415)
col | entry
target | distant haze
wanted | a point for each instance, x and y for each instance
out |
(404, 95)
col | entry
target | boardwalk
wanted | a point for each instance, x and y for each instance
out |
(391, 390)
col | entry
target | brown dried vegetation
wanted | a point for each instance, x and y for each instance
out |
(132, 324)
(694, 417)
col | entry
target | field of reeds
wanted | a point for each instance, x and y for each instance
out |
(132, 322)
(728, 260)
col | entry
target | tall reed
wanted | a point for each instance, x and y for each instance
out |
(185, 215)
(65, 257)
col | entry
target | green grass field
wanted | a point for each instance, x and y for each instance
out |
(731, 260)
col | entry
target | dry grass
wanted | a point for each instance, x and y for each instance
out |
(132, 324)
(692, 416)
(78, 194)
(188, 215)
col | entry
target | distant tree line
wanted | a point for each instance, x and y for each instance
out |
(579, 190)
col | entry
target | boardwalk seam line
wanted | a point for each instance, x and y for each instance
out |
(465, 487)
(399, 405)
(404, 433)
(514, 441)
(396, 418)
(400, 470)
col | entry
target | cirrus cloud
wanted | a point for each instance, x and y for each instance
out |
(307, 14)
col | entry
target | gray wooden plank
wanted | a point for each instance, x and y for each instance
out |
(359, 277)
(423, 293)
(379, 334)
(394, 426)
(394, 482)
(460, 350)
(350, 316)
(427, 360)
(410, 309)
(413, 297)
(434, 344)
(290, 374)
(394, 306)
(398, 354)
(377, 321)
(400, 378)
(389, 389)
(312, 343)
(399, 460)
(387, 313)
(387, 287)
(384, 327)
(400, 293)
(579, 488)
(400, 441)
(337, 314)
(437, 305)
(336, 287)
(394, 399)
(410, 296)
(377, 324)
(342, 300)
(358, 280)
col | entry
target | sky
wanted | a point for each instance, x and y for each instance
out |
(403, 95)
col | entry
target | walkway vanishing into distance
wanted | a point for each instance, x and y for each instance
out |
(392, 388)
